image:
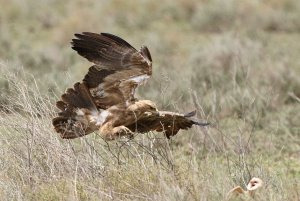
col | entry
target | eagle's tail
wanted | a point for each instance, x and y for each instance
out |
(76, 105)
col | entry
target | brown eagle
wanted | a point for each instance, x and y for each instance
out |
(105, 101)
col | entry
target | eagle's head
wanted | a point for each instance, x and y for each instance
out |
(142, 106)
(149, 105)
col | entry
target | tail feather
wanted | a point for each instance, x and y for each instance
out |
(70, 128)
(70, 123)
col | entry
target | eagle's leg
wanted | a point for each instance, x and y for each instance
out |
(122, 131)
(109, 132)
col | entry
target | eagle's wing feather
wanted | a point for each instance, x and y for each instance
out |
(164, 121)
(119, 68)
(110, 51)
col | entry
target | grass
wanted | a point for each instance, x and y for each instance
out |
(236, 62)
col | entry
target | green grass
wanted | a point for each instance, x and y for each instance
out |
(236, 62)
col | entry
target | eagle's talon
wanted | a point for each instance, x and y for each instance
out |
(123, 131)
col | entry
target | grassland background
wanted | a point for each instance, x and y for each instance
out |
(236, 62)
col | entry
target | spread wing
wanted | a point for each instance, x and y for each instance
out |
(119, 68)
(168, 122)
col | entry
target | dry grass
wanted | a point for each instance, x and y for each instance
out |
(236, 62)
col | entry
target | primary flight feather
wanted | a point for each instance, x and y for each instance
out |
(104, 100)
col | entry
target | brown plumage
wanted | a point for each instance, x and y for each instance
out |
(105, 101)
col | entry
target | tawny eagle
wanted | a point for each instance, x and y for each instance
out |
(104, 100)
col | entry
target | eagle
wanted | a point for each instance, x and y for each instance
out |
(105, 99)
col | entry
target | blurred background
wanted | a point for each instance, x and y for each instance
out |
(236, 62)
